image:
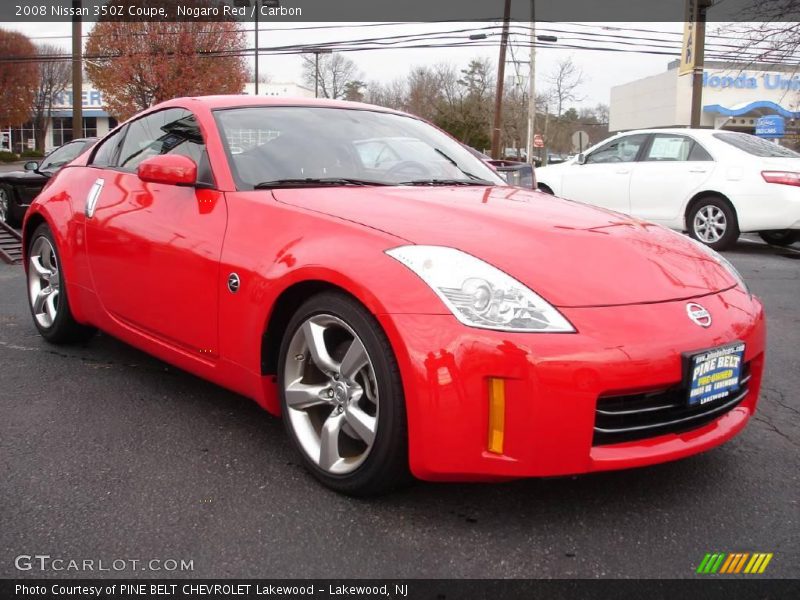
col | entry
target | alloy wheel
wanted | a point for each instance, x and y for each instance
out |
(710, 224)
(43, 282)
(331, 394)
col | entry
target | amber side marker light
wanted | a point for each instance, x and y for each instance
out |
(497, 414)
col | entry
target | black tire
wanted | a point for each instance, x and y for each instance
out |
(543, 188)
(386, 465)
(731, 224)
(14, 213)
(64, 329)
(782, 237)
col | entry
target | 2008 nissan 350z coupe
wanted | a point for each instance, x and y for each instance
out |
(360, 273)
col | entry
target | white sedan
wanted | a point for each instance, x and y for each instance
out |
(714, 184)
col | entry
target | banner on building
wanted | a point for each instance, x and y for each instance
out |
(689, 48)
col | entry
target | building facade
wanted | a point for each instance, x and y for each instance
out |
(97, 122)
(734, 97)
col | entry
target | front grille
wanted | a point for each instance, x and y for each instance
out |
(624, 418)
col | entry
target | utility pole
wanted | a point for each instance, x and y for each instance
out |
(256, 65)
(316, 52)
(699, 60)
(77, 72)
(501, 74)
(532, 88)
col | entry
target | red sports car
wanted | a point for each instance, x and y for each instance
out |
(415, 316)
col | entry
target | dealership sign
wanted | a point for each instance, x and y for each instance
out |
(772, 126)
(90, 98)
(767, 81)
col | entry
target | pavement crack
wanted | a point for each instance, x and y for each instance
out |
(768, 423)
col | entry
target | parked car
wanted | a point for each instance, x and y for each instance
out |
(714, 184)
(400, 319)
(19, 188)
(515, 173)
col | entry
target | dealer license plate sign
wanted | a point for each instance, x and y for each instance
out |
(714, 374)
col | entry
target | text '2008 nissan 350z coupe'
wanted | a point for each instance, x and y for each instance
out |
(405, 316)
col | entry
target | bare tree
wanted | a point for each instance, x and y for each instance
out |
(54, 77)
(335, 72)
(391, 95)
(769, 32)
(565, 81)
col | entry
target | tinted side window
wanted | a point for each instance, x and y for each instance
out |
(622, 149)
(171, 131)
(106, 150)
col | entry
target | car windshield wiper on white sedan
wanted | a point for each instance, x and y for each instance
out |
(481, 182)
(314, 182)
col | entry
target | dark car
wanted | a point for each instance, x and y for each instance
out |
(19, 188)
(514, 172)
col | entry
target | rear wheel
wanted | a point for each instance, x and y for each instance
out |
(341, 397)
(783, 237)
(47, 292)
(543, 188)
(713, 222)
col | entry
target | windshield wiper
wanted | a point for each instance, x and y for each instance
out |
(476, 181)
(453, 162)
(314, 182)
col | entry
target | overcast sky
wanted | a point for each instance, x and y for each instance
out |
(602, 70)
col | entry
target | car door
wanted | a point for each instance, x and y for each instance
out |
(672, 168)
(604, 179)
(154, 249)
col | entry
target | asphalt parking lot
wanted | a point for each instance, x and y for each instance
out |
(106, 453)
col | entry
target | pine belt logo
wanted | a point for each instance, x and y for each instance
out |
(734, 563)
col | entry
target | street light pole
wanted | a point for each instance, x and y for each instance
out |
(697, 75)
(77, 72)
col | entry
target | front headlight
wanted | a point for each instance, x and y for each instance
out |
(724, 263)
(478, 294)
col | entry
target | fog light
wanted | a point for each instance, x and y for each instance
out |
(497, 414)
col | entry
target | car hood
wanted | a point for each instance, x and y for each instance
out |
(570, 253)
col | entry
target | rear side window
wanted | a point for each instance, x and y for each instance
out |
(755, 145)
(106, 150)
(699, 153)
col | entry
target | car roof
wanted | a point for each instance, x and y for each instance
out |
(246, 101)
(675, 130)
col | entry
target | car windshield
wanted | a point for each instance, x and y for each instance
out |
(755, 145)
(280, 146)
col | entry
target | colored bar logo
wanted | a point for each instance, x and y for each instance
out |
(734, 563)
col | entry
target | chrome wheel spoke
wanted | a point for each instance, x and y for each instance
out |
(50, 305)
(40, 301)
(41, 271)
(301, 396)
(354, 359)
(363, 424)
(329, 456)
(315, 340)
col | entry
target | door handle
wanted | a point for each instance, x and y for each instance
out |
(623, 171)
(698, 170)
(93, 197)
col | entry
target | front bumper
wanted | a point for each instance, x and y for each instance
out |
(552, 385)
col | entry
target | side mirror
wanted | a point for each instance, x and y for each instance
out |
(581, 159)
(168, 169)
(31, 165)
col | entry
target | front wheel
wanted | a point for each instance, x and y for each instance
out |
(713, 222)
(342, 398)
(783, 237)
(47, 292)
